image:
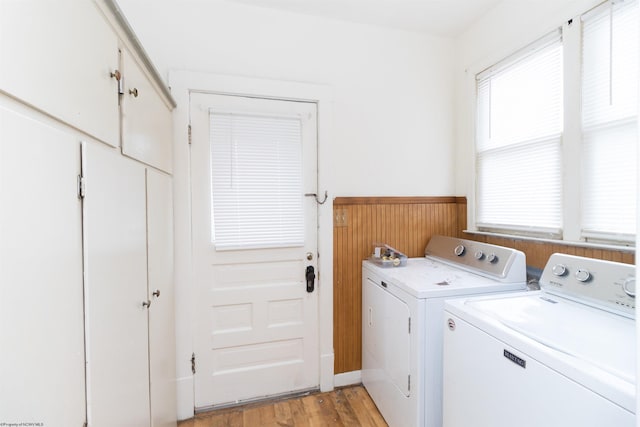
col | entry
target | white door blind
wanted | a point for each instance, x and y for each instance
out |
(609, 127)
(518, 142)
(256, 176)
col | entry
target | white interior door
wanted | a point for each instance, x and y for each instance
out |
(257, 325)
(115, 244)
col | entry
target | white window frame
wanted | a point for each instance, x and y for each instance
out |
(571, 149)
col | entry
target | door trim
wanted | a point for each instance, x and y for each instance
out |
(182, 84)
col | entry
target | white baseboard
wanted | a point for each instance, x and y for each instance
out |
(326, 372)
(347, 378)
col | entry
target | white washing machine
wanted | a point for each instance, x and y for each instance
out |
(559, 357)
(403, 309)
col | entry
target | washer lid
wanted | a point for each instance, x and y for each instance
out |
(603, 339)
(427, 278)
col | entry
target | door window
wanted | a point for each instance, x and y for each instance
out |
(256, 178)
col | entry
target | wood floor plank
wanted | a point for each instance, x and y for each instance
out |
(346, 407)
(365, 410)
(321, 411)
(298, 414)
(260, 416)
(283, 415)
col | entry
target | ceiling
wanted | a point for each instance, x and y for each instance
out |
(446, 18)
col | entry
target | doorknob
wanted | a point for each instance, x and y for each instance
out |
(311, 278)
(309, 256)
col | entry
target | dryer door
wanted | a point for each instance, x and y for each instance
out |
(386, 338)
(397, 342)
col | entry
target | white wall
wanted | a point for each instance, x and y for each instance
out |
(393, 110)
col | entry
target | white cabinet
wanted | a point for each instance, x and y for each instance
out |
(70, 59)
(59, 56)
(86, 284)
(162, 363)
(116, 307)
(146, 119)
(41, 289)
(128, 241)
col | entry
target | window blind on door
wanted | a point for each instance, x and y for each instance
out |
(609, 120)
(256, 181)
(518, 142)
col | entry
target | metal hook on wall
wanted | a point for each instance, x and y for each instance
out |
(316, 196)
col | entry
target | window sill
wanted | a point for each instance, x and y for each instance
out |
(621, 247)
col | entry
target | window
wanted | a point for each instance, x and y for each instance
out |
(518, 142)
(609, 125)
(558, 170)
(256, 176)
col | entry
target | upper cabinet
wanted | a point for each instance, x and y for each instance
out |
(146, 118)
(61, 57)
(79, 62)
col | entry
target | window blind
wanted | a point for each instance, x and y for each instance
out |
(256, 177)
(518, 141)
(609, 126)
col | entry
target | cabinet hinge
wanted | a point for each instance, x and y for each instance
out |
(409, 324)
(189, 133)
(81, 187)
(193, 363)
(409, 383)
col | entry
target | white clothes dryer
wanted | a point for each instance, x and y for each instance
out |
(403, 308)
(559, 357)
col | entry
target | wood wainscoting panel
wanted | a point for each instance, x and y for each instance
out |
(406, 224)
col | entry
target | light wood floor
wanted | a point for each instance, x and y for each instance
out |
(349, 406)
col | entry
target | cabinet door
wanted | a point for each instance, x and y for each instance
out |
(114, 220)
(162, 344)
(58, 56)
(146, 120)
(41, 323)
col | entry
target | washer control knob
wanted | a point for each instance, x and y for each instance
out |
(629, 287)
(492, 258)
(582, 275)
(479, 255)
(459, 250)
(559, 269)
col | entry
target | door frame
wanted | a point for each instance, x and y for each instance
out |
(182, 84)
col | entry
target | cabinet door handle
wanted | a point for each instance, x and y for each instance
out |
(116, 75)
(156, 293)
(134, 92)
(146, 304)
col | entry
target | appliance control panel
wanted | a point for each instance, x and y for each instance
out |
(604, 284)
(498, 262)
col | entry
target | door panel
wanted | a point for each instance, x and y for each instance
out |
(41, 322)
(257, 326)
(59, 56)
(162, 363)
(386, 339)
(115, 244)
(147, 126)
